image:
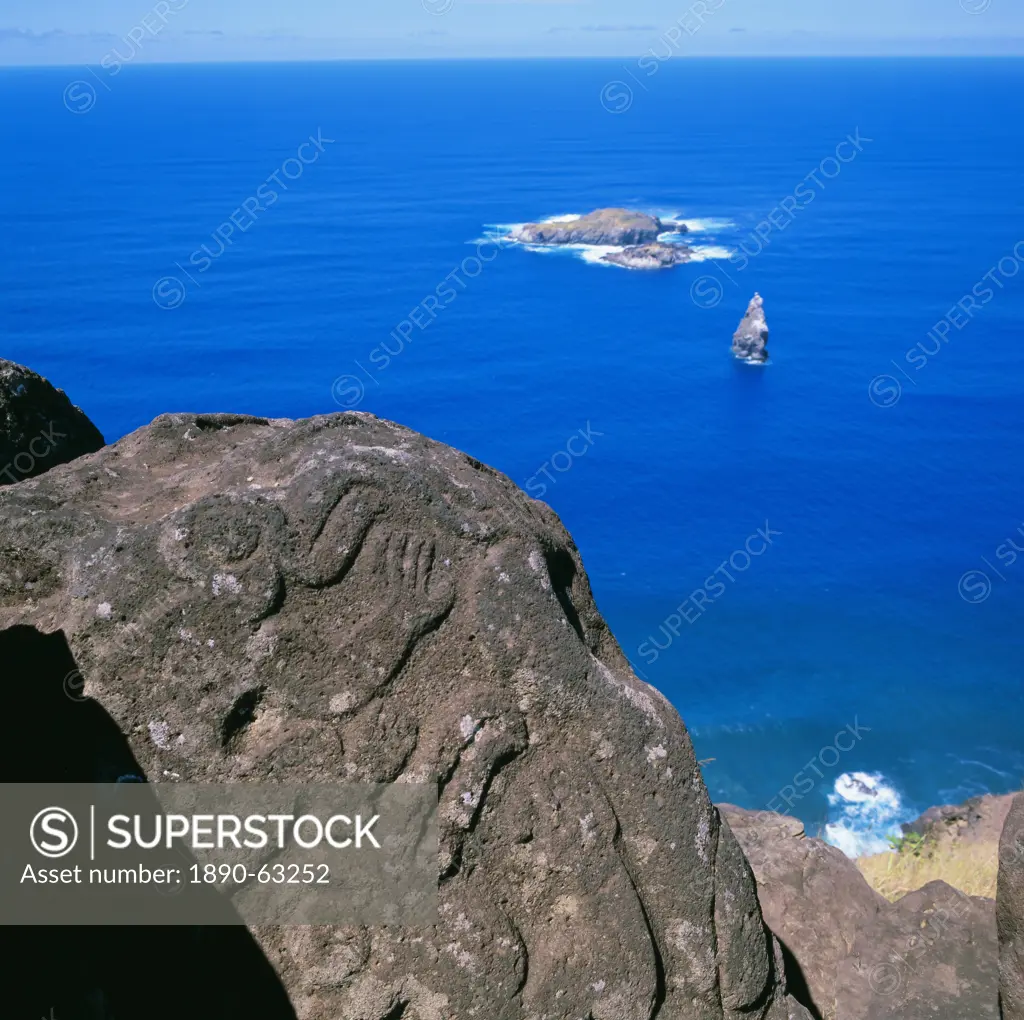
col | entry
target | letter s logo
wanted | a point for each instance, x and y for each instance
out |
(54, 832)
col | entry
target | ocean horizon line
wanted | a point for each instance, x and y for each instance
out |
(538, 59)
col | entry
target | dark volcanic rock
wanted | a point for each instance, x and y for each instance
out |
(650, 256)
(603, 226)
(39, 427)
(109, 971)
(1010, 912)
(930, 956)
(750, 341)
(341, 598)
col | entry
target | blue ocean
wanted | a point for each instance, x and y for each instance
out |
(820, 561)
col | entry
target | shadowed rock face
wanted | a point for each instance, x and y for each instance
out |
(813, 897)
(342, 598)
(108, 972)
(1010, 913)
(39, 427)
(603, 226)
(750, 341)
(929, 956)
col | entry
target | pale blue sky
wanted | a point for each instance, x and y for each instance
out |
(77, 31)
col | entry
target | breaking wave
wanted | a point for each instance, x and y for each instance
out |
(864, 810)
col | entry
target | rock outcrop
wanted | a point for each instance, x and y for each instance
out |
(341, 598)
(1010, 913)
(650, 256)
(930, 955)
(812, 896)
(750, 341)
(603, 226)
(978, 820)
(39, 427)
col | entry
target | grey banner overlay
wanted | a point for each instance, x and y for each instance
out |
(346, 854)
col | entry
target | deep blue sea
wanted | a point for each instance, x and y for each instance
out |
(888, 600)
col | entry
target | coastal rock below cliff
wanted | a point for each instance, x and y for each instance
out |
(39, 427)
(603, 226)
(978, 820)
(812, 895)
(342, 599)
(650, 256)
(931, 954)
(750, 341)
(1010, 912)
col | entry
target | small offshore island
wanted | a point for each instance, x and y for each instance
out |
(637, 239)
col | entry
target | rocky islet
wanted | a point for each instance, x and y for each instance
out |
(638, 237)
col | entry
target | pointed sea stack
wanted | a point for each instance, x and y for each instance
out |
(750, 341)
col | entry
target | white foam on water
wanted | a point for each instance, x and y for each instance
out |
(864, 811)
(595, 253)
(706, 224)
(710, 252)
(494, 238)
(547, 249)
(563, 218)
(502, 234)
